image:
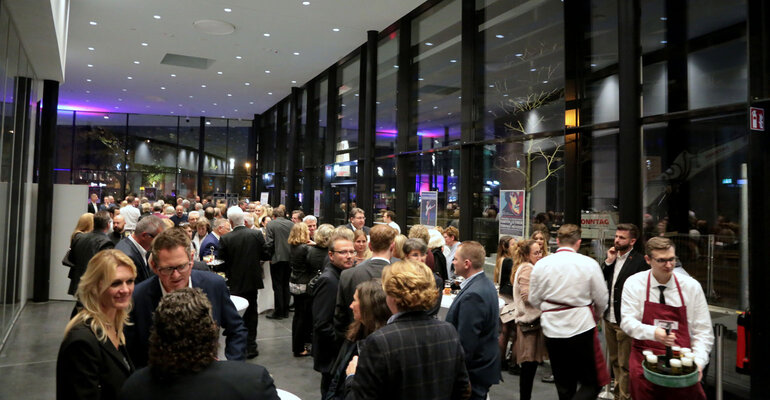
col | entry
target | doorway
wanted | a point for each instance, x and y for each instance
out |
(344, 200)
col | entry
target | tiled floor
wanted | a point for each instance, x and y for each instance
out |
(28, 361)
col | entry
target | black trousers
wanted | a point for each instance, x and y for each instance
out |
(251, 318)
(302, 324)
(527, 379)
(279, 275)
(573, 363)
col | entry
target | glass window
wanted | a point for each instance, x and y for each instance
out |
(384, 186)
(435, 171)
(436, 64)
(238, 156)
(347, 112)
(387, 91)
(524, 71)
(187, 159)
(64, 142)
(100, 141)
(323, 106)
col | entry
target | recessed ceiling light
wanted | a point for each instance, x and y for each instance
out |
(214, 103)
(128, 77)
(336, 29)
(203, 85)
(172, 112)
(229, 95)
(545, 81)
(293, 81)
(173, 75)
(136, 62)
(91, 48)
(203, 111)
(266, 34)
(270, 93)
(247, 84)
(453, 61)
(106, 117)
(305, 3)
(145, 44)
(219, 72)
(428, 44)
(296, 53)
(93, 23)
(191, 96)
(267, 71)
(179, 105)
(119, 99)
(116, 107)
(162, 88)
(208, 122)
(533, 69)
(90, 65)
(499, 36)
(156, 16)
(236, 110)
(88, 91)
(419, 79)
(518, 54)
(228, 9)
(395, 66)
(251, 102)
(88, 80)
(124, 90)
(238, 57)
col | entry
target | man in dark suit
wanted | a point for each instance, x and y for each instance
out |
(357, 220)
(86, 245)
(210, 244)
(171, 262)
(137, 244)
(242, 251)
(342, 255)
(622, 261)
(381, 244)
(476, 315)
(277, 244)
(414, 356)
(93, 203)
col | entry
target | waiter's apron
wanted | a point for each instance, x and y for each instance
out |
(639, 386)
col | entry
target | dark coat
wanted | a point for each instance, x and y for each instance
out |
(634, 263)
(352, 228)
(277, 239)
(325, 343)
(147, 296)
(143, 271)
(413, 357)
(220, 380)
(209, 245)
(93, 208)
(84, 247)
(349, 280)
(302, 269)
(476, 315)
(241, 250)
(89, 369)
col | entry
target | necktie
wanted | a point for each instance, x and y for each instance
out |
(662, 299)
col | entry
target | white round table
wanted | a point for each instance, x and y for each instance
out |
(448, 299)
(240, 304)
(284, 395)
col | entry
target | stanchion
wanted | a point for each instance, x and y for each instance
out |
(720, 355)
(607, 392)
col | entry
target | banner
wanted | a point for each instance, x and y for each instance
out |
(428, 208)
(317, 203)
(512, 208)
(592, 224)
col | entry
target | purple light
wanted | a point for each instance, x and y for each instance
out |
(388, 133)
(62, 169)
(430, 134)
(75, 107)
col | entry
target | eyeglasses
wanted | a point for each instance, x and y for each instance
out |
(345, 252)
(666, 260)
(181, 268)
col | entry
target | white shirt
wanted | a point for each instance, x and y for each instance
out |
(698, 317)
(450, 256)
(619, 262)
(141, 249)
(465, 282)
(131, 216)
(569, 278)
(394, 226)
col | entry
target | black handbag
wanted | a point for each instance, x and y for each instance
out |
(67, 261)
(529, 326)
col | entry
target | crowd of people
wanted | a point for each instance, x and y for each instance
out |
(366, 302)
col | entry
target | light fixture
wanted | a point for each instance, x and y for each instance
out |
(518, 55)
(208, 122)
(270, 93)
(173, 75)
(125, 90)
(453, 61)
(229, 95)
(247, 84)
(266, 34)
(228, 9)
(296, 53)
(213, 104)
(251, 102)
(219, 72)
(570, 118)
(136, 62)
(532, 69)
(91, 48)
(267, 71)
(190, 96)
(93, 23)
(428, 44)
(203, 86)
(238, 57)
(336, 29)
(305, 3)
(128, 77)
(88, 80)
(90, 65)
(293, 81)
(145, 44)
(156, 16)
(106, 117)
(88, 91)
(162, 88)
(499, 36)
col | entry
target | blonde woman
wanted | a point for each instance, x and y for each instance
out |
(93, 362)
(361, 244)
(85, 224)
(302, 271)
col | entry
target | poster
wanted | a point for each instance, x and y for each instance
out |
(263, 197)
(428, 208)
(512, 213)
(283, 197)
(317, 203)
(592, 224)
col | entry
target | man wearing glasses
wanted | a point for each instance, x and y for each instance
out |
(659, 299)
(171, 262)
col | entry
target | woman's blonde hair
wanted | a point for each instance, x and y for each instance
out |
(95, 281)
(503, 251)
(299, 234)
(521, 254)
(360, 233)
(543, 230)
(322, 235)
(398, 249)
(85, 224)
(411, 285)
(420, 232)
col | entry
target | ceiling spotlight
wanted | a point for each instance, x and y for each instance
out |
(203, 86)
(156, 16)
(162, 88)
(533, 69)
(247, 84)
(238, 57)
(88, 80)
(208, 122)
(219, 72)
(145, 44)
(229, 95)
(228, 9)
(214, 104)
(270, 93)
(251, 102)
(93, 23)
(428, 44)
(266, 34)
(90, 65)
(88, 91)
(91, 48)
(336, 29)
(293, 81)
(305, 3)
(106, 117)
(499, 36)
(128, 77)
(119, 99)
(296, 53)
(136, 62)
(267, 71)
(191, 96)
(124, 90)
(173, 75)
(518, 54)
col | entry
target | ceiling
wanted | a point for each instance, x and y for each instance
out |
(115, 48)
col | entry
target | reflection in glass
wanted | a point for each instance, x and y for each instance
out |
(384, 185)
(347, 111)
(387, 91)
(437, 171)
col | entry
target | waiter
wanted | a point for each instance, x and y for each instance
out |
(656, 298)
(569, 288)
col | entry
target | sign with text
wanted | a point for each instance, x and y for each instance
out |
(511, 221)
(757, 118)
(316, 203)
(428, 208)
(263, 198)
(283, 197)
(593, 223)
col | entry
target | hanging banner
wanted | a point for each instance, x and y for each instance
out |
(428, 208)
(512, 208)
(263, 197)
(317, 203)
(592, 224)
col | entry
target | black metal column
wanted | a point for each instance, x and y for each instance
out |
(327, 199)
(313, 150)
(280, 155)
(365, 186)
(630, 137)
(201, 142)
(470, 80)
(252, 156)
(759, 192)
(291, 139)
(404, 107)
(45, 192)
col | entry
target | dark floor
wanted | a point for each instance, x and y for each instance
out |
(28, 361)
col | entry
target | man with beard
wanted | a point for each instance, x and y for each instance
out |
(622, 262)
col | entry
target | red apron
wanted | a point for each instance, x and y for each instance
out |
(602, 376)
(639, 386)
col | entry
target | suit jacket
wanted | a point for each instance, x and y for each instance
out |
(277, 239)
(476, 315)
(219, 380)
(209, 242)
(93, 208)
(84, 247)
(634, 263)
(349, 280)
(326, 345)
(147, 296)
(89, 369)
(413, 357)
(242, 250)
(352, 228)
(143, 271)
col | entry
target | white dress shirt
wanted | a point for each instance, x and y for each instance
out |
(619, 262)
(131, 216)
(569, 278)
(698, 317)
(394, 226)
